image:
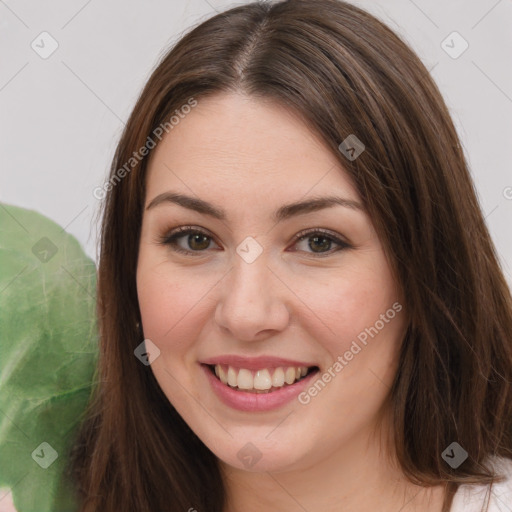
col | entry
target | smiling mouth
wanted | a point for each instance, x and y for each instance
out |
(265, 380)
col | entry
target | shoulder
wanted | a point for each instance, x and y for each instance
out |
(472, 498)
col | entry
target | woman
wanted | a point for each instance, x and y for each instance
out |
(300, 305)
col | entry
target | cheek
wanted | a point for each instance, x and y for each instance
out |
(170, 307)
(349, 307)
(175, 305)
(363, 349)
(167, 306)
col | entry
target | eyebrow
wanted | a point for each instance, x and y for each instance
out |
(283, 213)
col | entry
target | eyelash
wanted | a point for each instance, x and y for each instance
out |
(170, 239)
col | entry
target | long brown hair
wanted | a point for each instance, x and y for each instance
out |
(344, 72)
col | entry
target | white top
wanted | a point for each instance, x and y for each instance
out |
(472, 498)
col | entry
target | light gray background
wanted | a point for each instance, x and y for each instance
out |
(61, 117)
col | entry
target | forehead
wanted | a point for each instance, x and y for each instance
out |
(230, 143)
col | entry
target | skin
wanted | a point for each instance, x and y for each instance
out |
(250, 157)
(6, 502)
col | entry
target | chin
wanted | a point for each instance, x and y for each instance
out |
(256, 454)
(264, 461)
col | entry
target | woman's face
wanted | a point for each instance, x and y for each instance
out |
(241, 296)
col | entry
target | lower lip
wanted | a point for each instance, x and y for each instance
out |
(255, 402)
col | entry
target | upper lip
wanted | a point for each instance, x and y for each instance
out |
(254, 363)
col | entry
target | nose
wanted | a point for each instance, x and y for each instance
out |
(253, 302)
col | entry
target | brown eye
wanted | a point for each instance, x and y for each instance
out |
(198, 241)
(190, 240)
(187, 240)
(320, 242)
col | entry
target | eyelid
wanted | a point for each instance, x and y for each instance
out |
(331, 234)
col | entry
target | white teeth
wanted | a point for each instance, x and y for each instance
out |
(260, 380)
(289, 375)
(222, 375)
(278, 378)
(232, 377)
(245, 379)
